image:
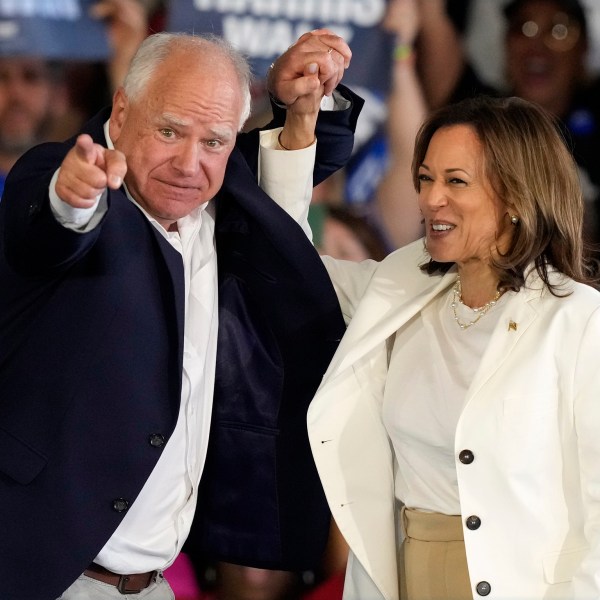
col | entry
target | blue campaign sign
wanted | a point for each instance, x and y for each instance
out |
(264, 29)
(53, 29)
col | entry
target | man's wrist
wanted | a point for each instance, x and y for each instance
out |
(299, 130)
(274, 99)
(76, 219)
(334, 102)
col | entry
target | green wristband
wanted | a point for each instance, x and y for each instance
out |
(402, 52)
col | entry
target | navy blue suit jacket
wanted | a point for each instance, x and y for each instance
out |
(91, 338)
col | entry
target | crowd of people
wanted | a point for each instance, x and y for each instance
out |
(153, 274)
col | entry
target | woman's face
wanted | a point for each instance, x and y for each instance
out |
(463, 215)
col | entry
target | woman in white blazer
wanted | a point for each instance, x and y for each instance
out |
(467, 387)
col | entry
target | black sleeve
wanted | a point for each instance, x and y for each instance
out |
(335, 135)
(31, 239)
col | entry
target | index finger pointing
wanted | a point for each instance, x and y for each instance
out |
(84, 148)
(116, 168)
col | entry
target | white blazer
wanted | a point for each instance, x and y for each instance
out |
(531, 422)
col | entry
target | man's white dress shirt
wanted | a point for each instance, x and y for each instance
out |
(156, 525)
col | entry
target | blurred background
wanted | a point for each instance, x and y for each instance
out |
(61, 61)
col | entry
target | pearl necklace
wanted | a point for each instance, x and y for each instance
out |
(480, 311)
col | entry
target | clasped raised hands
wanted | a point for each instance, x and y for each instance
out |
(310, 68)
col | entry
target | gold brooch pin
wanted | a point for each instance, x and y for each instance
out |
(512, 326)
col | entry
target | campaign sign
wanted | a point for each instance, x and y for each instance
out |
(264, 29)
(53, 29)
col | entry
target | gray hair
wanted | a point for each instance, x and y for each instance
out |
(157, 47)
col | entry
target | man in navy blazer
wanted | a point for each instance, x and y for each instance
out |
(109, 351)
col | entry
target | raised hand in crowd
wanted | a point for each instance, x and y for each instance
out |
(127, 22)
(395, 198)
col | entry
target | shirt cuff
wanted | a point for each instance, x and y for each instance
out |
(335, 102)
(287, 176)
(77, 219)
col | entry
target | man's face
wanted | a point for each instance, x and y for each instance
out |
(178, 134)
(25, 102)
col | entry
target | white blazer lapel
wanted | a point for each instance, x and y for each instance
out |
(394, 296)
(349, 444)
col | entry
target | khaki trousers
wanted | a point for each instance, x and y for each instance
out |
(432, 558)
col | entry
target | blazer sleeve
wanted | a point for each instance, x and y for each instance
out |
(586, 382)
(335, 135)
(350, 281)
(33, 241)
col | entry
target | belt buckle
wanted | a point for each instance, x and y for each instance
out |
(123, 580)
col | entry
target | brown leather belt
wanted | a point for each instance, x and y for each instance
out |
(126, 584)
